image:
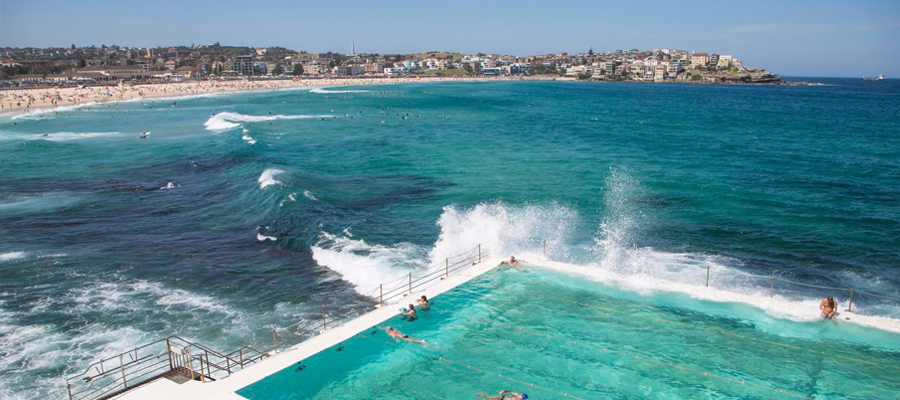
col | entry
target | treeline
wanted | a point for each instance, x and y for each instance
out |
(13, 70)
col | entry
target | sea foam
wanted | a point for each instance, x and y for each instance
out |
(229, 120)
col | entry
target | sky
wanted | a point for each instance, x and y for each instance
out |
(793, 38)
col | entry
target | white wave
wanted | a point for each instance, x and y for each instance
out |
(42, 111)
(12, 255)
(326, 91)
(59, 136)
(364, 265)
(262, 238)
(248, 139)
(229, 120)
(267, 178)
(169, 185)
(309, 195)
(792, 306)
(505, 229)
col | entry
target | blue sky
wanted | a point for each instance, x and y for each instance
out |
(807, 38)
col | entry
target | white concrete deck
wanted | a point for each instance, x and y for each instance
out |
(224, 389)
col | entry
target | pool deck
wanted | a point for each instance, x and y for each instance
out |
(224, 389)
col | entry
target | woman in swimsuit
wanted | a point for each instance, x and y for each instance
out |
(395, 334)
(828, 307)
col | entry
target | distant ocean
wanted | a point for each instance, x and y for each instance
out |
(243, 211)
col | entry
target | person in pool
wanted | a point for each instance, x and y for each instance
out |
(423, 303)
(513, 263)
(395, 334)
(828, 307)
(505, 395)
(410, 313)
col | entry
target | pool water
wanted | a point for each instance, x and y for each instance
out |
(567, 335)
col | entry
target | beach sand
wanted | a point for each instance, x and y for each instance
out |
(27, 100)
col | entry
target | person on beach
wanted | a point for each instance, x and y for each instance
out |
(504, 395)
(513, 263)
(828, 307)
(397, 335)
(409, 314)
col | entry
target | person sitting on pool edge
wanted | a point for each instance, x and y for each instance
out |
(395, 334)
(505, 395)
(828, 307)
(513, 263)
(409, 314)
(423, 302)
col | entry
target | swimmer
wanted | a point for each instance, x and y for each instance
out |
(828, 307)
(423, 302)
(395, 334)
(513, 263)
(410, 313)
(504, 395)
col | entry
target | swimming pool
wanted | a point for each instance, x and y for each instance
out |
(554, 335)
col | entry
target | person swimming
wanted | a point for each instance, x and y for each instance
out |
(828, 307)
(504, 395)
(409, 314)
(397, 335)
(423, 303)
(513, 263)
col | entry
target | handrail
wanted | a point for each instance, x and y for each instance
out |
(113, 375)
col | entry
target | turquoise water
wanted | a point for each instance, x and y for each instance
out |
(541, 328)
(241, 212)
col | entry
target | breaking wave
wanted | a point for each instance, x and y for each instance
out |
(267, 178)
(60, 136)
(326, 91)
(229, 120)
(12, 255)
(43, 111)
(366, 265)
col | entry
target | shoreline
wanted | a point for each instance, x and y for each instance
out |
(18, 102)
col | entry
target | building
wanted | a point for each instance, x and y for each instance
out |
(699, 60)
(396, 71)
(725, 61)
(312, 69)
(242, 65)
(374, 68)
(659, 73)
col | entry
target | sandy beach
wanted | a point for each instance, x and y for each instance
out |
(28, 100)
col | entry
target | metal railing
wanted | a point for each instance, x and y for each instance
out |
(174, 355)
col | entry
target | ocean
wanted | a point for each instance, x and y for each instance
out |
(240, 212)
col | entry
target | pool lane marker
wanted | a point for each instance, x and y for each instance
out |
(778, 344)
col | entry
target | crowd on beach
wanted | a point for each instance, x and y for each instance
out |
(27, 100)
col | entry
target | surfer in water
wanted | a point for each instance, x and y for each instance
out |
(395, 334)
(513, 263)
(828, 307)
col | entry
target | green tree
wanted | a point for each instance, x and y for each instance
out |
(591, 52)
(298, 70)
(73, 46)
(82, 63)
(468, 68)
(277, 70)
